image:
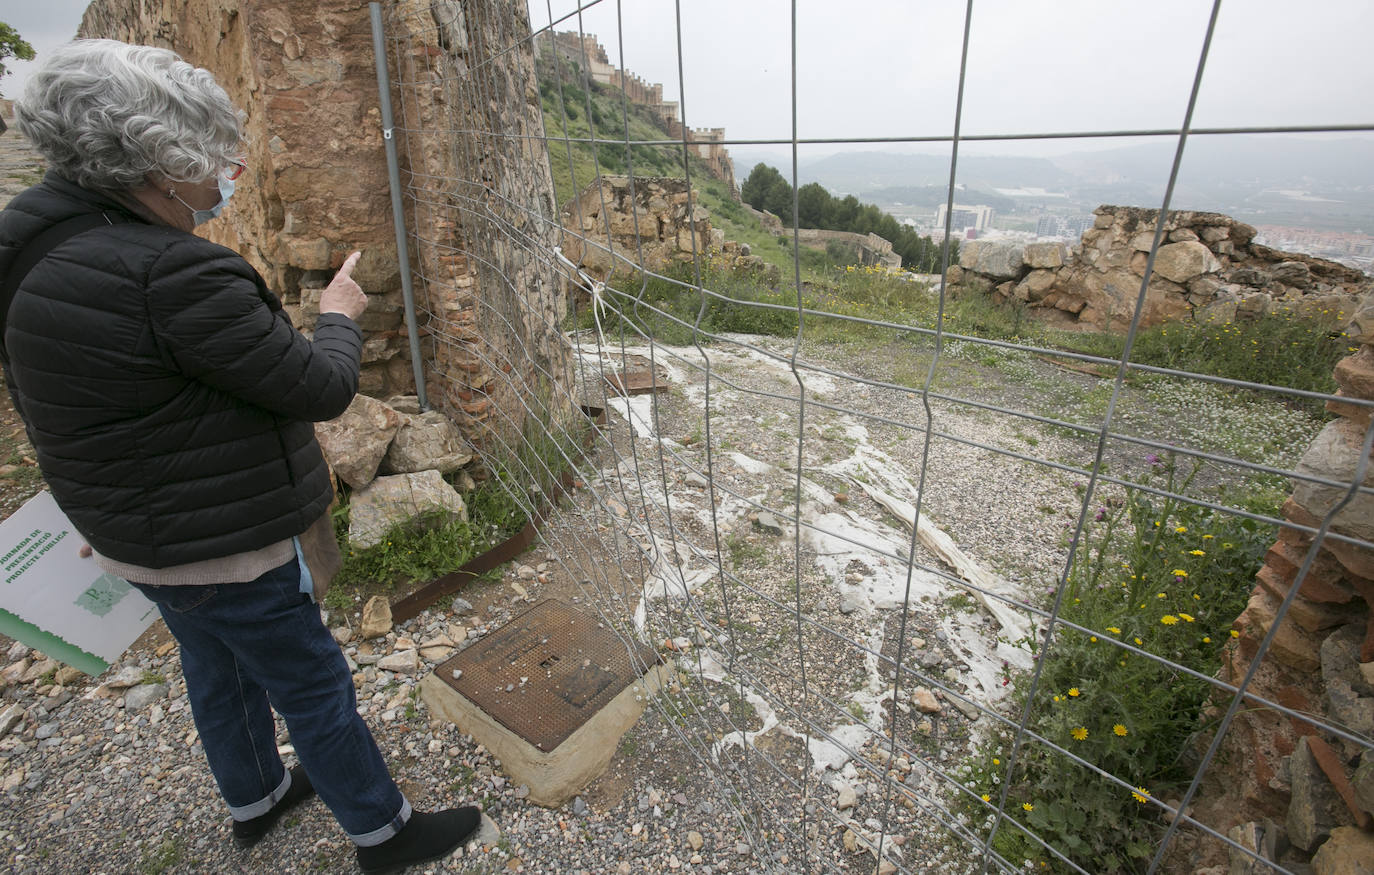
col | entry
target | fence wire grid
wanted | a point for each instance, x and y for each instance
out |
(865, 541)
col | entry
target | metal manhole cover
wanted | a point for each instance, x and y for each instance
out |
(546, 672)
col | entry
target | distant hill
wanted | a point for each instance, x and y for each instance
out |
(1325, 184)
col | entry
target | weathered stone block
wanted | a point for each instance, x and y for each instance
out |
(1364, 783)
(999, 260)
(355, 442)
(1292, 646)
(1315, 809)
(310, 253)
(426, 441)
(1141, 241)
(1334, 456)
(1035, 286)
(1292, 273)
(968, 254)
(1355, 374)
(1045, 255)
(1181, 262)
(1349, 851)
(423, 498)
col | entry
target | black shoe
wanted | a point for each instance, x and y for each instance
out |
(425, 837)
(249, 832)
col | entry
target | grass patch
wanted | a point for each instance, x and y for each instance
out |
(1167, 578)
(162, 857)
(425, 548)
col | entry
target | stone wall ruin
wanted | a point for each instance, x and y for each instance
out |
(613, 227)
(1284, 788)
(1208, 268)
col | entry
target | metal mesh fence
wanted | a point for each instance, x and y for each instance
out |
(908, 567)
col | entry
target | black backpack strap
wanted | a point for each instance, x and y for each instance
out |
(38, 249)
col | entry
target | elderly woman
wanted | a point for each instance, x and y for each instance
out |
(170, 402)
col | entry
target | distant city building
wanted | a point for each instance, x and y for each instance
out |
(979, 218)
(1070, 227)
(1351, 249)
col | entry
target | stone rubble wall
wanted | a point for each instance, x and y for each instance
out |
(611, 225)
(1208, 268)
(1282, 786)
(317, 184)
(871, 249)
(496, 360)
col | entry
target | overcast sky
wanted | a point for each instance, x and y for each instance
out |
(889, 68)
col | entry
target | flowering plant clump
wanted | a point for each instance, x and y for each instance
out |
(1152, 573)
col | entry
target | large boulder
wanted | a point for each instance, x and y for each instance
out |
(1181, 262)
(423, 498)
(426, 441)
(1333, 456)
(1349, 851)
(355, 442)
(1316, 809)
(1003, 261)
(1046, 256)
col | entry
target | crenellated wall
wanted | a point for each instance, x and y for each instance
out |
(708, 143)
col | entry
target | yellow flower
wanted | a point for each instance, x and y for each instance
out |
(1079, 733)
(1197, 552)
(996, 761)
(1113, 630)
(1196, 597)
(1092, 638)
(1181, 529)
(987, 798)
(1179, 572)
(1073, 691)
(1119, 730)
(1206, 639)
(1187, 618)
(1235, 634)
(1168, 619)
(1027, 806)
(1162, 595)
(1138, 642)
(1056, 698)
(1141, 794)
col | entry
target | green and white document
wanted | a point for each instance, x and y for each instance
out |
(58, 602)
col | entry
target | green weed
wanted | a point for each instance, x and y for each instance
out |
(161, 857)
(1166, 578)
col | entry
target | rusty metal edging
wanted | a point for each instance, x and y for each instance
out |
(502, 553)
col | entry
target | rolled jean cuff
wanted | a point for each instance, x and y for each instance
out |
(263, 805)
(381, 834)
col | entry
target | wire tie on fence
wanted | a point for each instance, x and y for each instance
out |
(596, 288)
(386, 133)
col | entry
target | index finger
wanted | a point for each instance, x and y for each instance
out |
(349, 263)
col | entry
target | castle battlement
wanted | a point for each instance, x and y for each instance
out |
(585, 51)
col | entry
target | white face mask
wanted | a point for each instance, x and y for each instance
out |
(200, 217)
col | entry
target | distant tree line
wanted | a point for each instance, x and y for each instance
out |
(766, 189)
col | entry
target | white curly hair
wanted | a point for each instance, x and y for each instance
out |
(106, 114)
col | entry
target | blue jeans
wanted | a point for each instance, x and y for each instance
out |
(245, 644)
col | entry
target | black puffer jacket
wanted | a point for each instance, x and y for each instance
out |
(166, 393)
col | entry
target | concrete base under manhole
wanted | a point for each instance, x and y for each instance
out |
(549, 694)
